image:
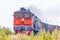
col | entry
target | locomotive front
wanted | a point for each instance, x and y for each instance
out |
(23, 21)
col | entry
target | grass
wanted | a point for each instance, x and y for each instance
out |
(6, 34)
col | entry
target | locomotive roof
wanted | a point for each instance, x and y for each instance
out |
(23, 10)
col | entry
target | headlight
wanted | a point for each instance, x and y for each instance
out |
(22, 19)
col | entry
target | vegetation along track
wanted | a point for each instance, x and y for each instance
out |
(6, 34)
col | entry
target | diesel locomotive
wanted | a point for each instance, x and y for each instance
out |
(25, 21)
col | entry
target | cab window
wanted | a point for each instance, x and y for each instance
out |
(26, 15)
(18, 15)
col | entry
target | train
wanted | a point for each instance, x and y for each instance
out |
(25, 21)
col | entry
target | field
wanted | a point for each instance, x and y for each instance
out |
(6, 34)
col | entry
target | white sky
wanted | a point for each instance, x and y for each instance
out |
(49, 10)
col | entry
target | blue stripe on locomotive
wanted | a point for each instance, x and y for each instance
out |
(20, 27)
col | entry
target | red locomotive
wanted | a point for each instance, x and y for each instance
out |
(23, 21)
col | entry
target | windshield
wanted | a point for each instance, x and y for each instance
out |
(26, 15)
(18, 15)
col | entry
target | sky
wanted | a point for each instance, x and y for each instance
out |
(47, 10)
